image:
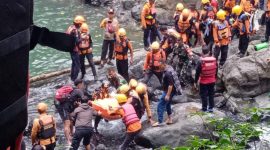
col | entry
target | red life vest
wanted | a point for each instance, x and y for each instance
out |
(130, 114)
(209, 68)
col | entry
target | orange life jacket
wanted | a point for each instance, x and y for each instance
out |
(150, 17)
(47, 128)
(223, 30)
(156, 59)
(84, 46)
(209, 68)
(184, 25)
(121, 49)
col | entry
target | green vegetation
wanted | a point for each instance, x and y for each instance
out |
(226, 134)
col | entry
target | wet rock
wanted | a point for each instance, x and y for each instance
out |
(136, 12)
(179, 132)
(164, 17)
(248, 76)
(128, 4)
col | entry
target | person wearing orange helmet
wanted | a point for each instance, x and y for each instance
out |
(44, 128)
(85, 45)
(74, 30)
(185, 25)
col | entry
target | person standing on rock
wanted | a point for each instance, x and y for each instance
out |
(110, 26)
(206, 29)
(242, 23)
(44, 128)
(206, 71)
(266, 21)
(171, 86)
(186, 24)
(85, 45)
(121, 53)
(152, 62)
(178, 10)
(222, 37)
(82, 118)
(148, 22)
(74, 30)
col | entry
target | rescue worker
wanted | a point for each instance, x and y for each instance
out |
(152, 62)
(101, 93)
(195, 31)
(133, 84)
(243, 24)
(249, 5)
(133, 99)
(206, 75)
(266, 21)
(114, 78)
(148, 22)
(180, 60)
(85, 46)
(194, 12)
(164, 43)
(121, 53)
(171, 86)
(179, 8)
(186, 25)
(141, 90)
(207, 9)
(68, 105)
(82, 118)
(222, 37)
(206, 30)
(74, 30)
(44, 128)
(229, 4)
(131, 121)
(110, 26)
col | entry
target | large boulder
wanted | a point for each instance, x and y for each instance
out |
(248, 76)
(185, 125)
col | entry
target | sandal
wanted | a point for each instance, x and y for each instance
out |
(169, 121)
(157, 124)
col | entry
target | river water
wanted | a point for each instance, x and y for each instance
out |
(57, 15)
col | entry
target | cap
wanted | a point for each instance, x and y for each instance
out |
(77, 81)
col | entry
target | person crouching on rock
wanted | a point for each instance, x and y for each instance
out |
(171, 86)
(44, 128)
(132, 122)
(85, 45)
(82, 118)
(152, 62)
(206, 71)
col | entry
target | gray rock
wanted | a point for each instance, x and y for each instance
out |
(128, 4)
(164, 16)
(248, 76)
(136, 12)
(179, 132)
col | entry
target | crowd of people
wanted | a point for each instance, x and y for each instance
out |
(212, 28)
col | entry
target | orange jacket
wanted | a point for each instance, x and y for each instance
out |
(157, 57)
(36, 128)
(221, 32)
(148, 10)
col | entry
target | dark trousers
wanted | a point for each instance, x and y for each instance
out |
(261, 4)
(210, 46)
(149, 32)
(207, 95)
(243, 43)
(162, 105)
(97, 121)
(84, 133)
(224, 53)
(128, 138)
(50, 146)
(122, 68)
(89, 57)
(107, 44)
(150, 73)
(75, 66)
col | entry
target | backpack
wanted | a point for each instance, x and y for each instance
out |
(63, 93)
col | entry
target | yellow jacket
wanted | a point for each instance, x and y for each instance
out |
(36, 128)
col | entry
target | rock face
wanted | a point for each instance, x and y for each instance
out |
(248, 76)
(185, 124)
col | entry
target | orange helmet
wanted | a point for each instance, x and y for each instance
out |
(185, 13)
(79, 19)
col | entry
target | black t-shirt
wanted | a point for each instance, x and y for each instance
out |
(167, 80)
(202, 28)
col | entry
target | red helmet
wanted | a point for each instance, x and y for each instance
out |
(214, 3)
